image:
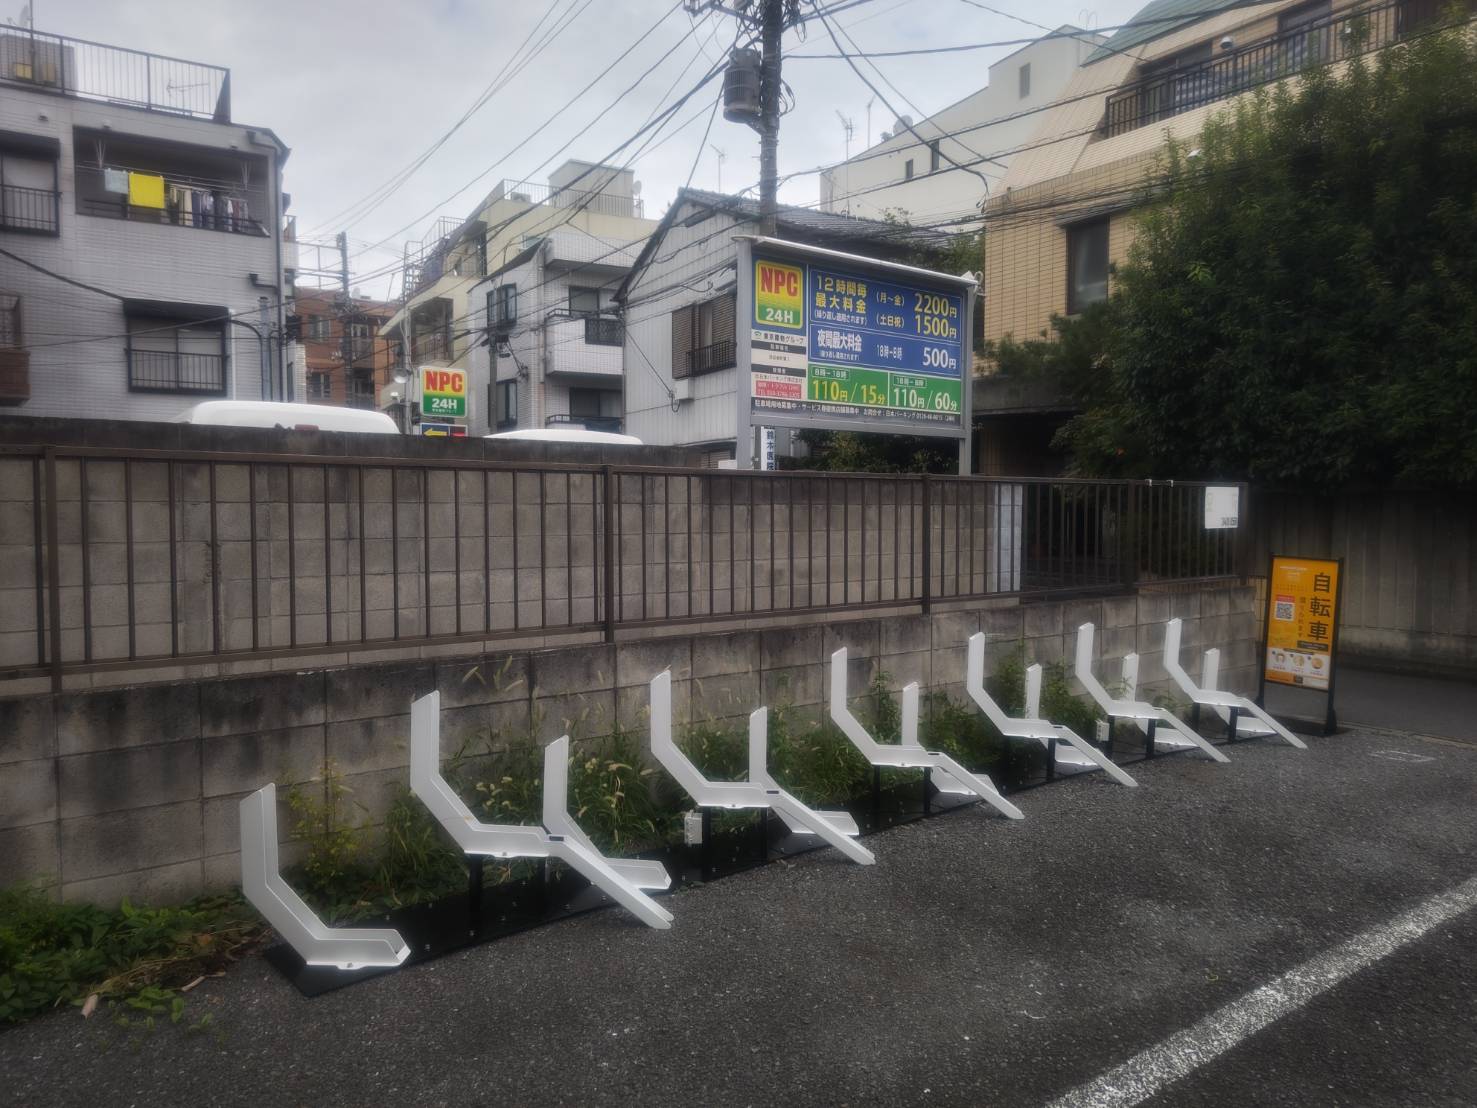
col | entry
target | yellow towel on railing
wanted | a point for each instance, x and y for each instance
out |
(145, 190)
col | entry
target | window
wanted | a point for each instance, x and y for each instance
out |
(505, 404)
(933, 156)
(29, 196)
(584, 301)
(10, 321)
(908, 170)
(593, 409)
(318, 386)
(175, 348)
(15, 360)
(359, 330)
(1087, 265)
(1024, 77)
(703, 337)
(502, 308)
(319, 328)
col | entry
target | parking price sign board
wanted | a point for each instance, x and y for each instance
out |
(834, 342)
(443, 392)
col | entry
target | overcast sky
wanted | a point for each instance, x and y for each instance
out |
(359, 90)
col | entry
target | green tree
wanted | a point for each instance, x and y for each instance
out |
(1300, 303)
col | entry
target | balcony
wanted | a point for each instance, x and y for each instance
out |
(216, 209)
(432, 349)
(706, 359)
(572, 353)
(92, 71)
(588, 423)
(1336, 38)
(168, 371)
(361, 391)
(604, 331)
(37, 211)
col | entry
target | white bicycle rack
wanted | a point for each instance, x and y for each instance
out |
(621, 880)
(948, 776)
(1077, 753)
(760, 791)
(1230, 707)
(1147, 716)
(346, 948)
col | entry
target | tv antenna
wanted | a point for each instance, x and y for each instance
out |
(849, 129)
(721, 156)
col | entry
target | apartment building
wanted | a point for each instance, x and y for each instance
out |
(679, 301)
(919, 180)
(1064, 219)
(550, 339)
(346, 361)
(439, 315)
(144, 266)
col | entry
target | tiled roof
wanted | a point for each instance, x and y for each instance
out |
(824, 226)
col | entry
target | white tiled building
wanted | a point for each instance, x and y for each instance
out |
(547, 337)
(145, 266)
(916, 180)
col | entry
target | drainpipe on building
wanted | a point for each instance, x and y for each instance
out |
(281, 276)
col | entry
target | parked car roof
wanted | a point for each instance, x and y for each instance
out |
(609, 438)
(301, 417)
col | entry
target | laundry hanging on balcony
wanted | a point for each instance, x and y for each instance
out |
(145, 190)
(115, 180)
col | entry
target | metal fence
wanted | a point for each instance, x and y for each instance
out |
(1334, 38)
(113, 74)
(169, 558)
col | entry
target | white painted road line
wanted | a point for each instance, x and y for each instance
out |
(1144, 1075)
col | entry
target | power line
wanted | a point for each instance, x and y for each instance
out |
(560, 111)
(494, 86)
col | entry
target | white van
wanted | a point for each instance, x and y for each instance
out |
(607, 438)
(291, 417)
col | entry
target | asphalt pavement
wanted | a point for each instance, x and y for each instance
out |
(1395, 701)
(980, 962)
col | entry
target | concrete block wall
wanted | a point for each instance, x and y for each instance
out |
(134, 791)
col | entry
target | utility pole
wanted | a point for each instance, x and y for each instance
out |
(346, 311)
(772, 34)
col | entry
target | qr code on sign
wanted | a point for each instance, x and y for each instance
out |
(1283, 608)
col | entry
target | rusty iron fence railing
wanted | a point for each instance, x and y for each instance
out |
(169, 558)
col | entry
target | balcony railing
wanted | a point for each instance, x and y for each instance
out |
(166, 371)
(589, 423)
(706, 359)
(584, 198)
(28, 209)
(120, 208)
(93, 71)
(430, 348)
(604, 331)
(1282, 55)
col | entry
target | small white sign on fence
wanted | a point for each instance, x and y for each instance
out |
(1222, 507)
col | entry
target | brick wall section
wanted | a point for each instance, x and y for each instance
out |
(134, 791)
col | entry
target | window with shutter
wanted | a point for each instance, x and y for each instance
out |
(682, 341)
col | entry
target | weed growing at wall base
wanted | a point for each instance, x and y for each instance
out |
(54, 954)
